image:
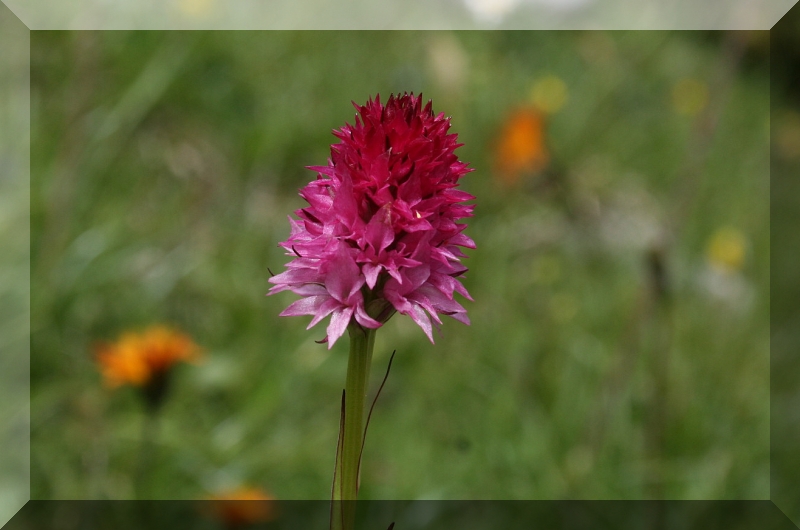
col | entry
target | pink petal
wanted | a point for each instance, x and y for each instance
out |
(419, 316)
(310, 289)
(395, 273)
(297, 276)
(462, 240)
(344, 204)
(461, 317)
(343, 277)
(304, 306)
(379, 233)
(414, 277)
(371, 274)
(325, 170)
(325, 309)
(458, 195)
(339, 321)
(444, 305)
(365, 320)
(391, 293)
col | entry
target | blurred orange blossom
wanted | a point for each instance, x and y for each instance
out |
(136, 358)
(521, 145)
(242, 506)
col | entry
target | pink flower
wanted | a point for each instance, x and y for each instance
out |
(380, 233)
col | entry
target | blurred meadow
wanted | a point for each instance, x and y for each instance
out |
(619, 346)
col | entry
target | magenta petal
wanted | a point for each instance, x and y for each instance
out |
(462, 240)
(365, 320)
(297, 276)
(418, 225)
(439, 301)
(344, 204)
(444, 283)
(304, 306)
(280, 288)
(413, 278)
(339, 321)
(393, 296)
(395, 273)
(319, 199)
(379, 233)
(419, 316)
(427, 306)
(325, 170)
(371, 274)
(325, 309)
(343, 277)
(310, 289)
(457, 195)
(461, 317)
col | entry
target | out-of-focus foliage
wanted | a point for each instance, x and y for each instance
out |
(785, 283)
(610, 355)
(14, 265)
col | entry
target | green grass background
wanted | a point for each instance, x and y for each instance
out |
(164, 165)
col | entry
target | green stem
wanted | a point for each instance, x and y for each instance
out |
(362, 342)
(143, 479)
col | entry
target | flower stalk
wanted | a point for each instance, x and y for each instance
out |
(362, 342)
(147, 453)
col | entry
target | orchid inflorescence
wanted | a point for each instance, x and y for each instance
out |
(380, 233)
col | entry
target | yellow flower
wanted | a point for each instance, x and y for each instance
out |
(726, 250)
(549, 94)
(521, 146)
(136, 358)
(243, 506)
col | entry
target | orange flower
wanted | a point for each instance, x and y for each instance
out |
(242, 506)
(137, 358)
(521, 147)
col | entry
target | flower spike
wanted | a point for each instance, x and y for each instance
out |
(380, 233)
